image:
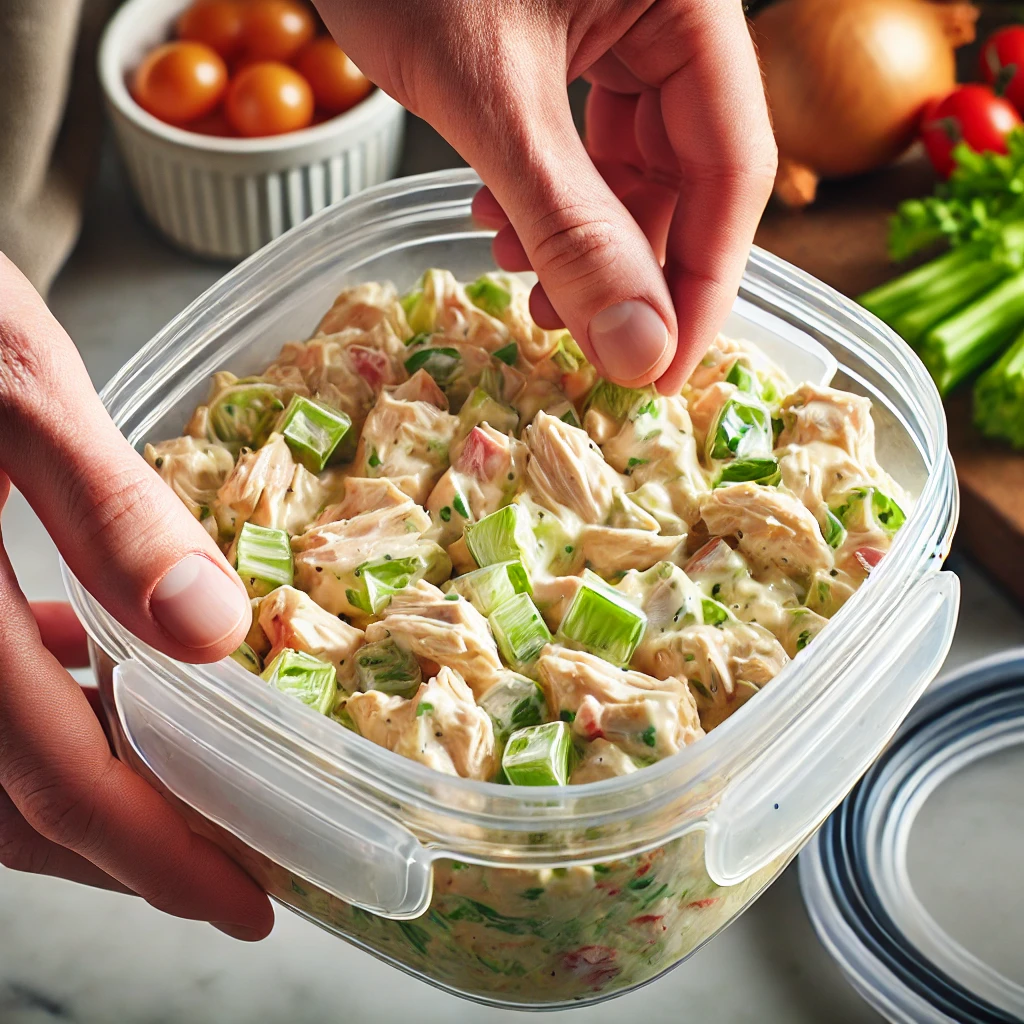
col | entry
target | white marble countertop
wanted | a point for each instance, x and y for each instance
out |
(70, 953)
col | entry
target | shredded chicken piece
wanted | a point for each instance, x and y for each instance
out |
(610, 552)
(195, 470)
(773, 529)
(289, 618)
(567, 469)
(820, 472)
(328, 556)
(441, 631)
(406, 441)
(814, 413)
(364, 306)
(602, 760)
(363, 494)
(441, 726)
(421, 387)
(267, 488)
(646, 717)
(725, 665)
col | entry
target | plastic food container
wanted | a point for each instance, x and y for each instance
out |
(513, 896)
(225, 197)
(855, 875)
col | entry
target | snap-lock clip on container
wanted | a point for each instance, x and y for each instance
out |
(530, 897)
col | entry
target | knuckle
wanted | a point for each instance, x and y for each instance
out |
(22, 371)
(572, 244)
(21, 849)
(60, 810)
(116, 509)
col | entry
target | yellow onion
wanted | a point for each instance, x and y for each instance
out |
(847, 81)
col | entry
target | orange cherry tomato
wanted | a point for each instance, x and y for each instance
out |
(269, 99)
(276, 29)
(217, 23)
(213, 124)
(336, 82)
(179, 82)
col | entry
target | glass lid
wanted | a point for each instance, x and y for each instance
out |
(915, 884)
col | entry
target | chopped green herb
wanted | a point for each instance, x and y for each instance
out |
(423, 708)
(459, 504)
(509, 354)
(441, 363)
(445, 513)
(649, 736)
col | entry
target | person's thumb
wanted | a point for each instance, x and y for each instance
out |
(123, 533)
(593, 261)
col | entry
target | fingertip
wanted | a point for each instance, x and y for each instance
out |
(631, 341)
(487, 211)
(508, 251)
(543, 313)
(201, 608)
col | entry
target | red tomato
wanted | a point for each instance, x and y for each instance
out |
(269, 99)
(179, 82)
(217, 23)
(276, 29)
(337, 83)
(1002, 63)
(971, 114)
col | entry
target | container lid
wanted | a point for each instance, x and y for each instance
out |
(857, 873)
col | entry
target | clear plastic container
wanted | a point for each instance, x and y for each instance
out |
(520, 897)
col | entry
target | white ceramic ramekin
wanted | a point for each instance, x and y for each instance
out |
(223, 197)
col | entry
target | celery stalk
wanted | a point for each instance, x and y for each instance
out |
(967, 340)
(313, 431)
(514, 703)
(502, 536)
(248, 659)
(999, 397)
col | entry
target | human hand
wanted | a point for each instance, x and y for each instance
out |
(67, 806)
(680, 165)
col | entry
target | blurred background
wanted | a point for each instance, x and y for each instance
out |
(81, 194)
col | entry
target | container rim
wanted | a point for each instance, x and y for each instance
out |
(701, 769)
(112, 78)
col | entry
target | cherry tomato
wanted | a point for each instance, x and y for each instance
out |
(337, 83)
(217, 23)
(179, 82)
(1002, 63)
(971, 114)
(213, 124)
(269, 99)
(276, 29)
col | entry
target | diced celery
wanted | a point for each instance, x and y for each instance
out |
(380, 580)
(313, 431)
(492, 585)
(244, 413)
(539, 755)
(263, 557)
(743, 377)
(865, 505)
(514, 703)
(385, 666)
(602, 621)
(304, 677)
(441, 363)
(762, 469)
(248, 659)
(481, 407)
(832, 530)
(519, 630)
(420, 304)
(568, 356)
(489, 295)
(502, 536)
(742, 428)
(615, 400)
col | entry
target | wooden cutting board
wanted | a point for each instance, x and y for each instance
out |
(841, 240)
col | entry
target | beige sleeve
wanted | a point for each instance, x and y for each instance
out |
(50, 127)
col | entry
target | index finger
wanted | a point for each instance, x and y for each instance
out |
(702, 59)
